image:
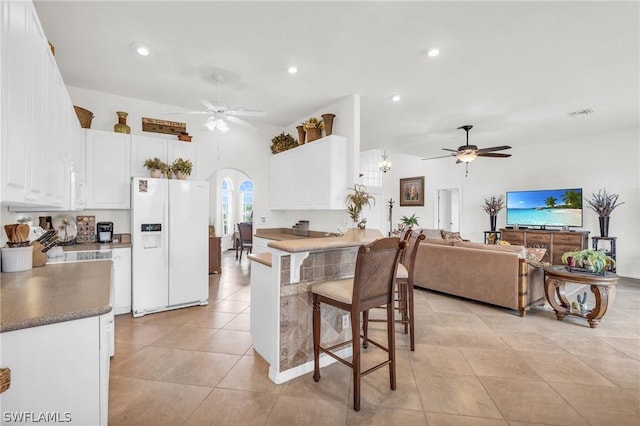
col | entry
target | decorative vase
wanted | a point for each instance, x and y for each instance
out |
(314, 134)
(493, 219)
(121, 126)
(301, 135)
(604, 226)
(155, 173)
(180, 176)
(328, 123)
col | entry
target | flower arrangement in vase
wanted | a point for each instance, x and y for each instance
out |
(603, 204)
(282, 143)
(182, 168)
(492, 206)
(313, 127)
(155, 166)
(356, 201)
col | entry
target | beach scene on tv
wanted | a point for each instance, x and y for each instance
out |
(555, 207)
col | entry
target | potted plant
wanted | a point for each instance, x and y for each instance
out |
(181, 168)
(155, 167)
(492, 206)
(590, 259)
(356, 201)
(409, 221)
(313, 127)
(282, 142)
(603, 204)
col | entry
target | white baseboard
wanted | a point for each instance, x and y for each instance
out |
(301, 370)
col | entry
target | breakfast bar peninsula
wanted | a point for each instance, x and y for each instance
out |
(283, 269)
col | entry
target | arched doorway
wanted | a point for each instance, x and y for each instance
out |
(230, 202)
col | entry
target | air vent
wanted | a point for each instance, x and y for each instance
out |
(575, 114)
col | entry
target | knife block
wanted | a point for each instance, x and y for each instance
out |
(39, 258)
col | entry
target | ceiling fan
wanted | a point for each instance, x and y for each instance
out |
(467, 153)
(221, 114)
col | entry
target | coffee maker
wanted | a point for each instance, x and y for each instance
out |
(105, 232)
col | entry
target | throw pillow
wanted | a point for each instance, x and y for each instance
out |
(535, 254)
(447, 235)
(432, 233)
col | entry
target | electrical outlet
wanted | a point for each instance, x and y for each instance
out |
(345, 321)
(263, 219)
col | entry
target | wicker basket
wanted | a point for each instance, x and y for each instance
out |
(5, 379)
(84, 116)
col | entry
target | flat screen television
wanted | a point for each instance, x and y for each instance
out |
(548, 207)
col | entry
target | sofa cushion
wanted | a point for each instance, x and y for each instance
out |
(439, 241)
(448, 235)
(432, 233)
(519, 250)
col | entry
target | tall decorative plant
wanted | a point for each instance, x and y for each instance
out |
(603, 204)
(492, 206)
(356, 201)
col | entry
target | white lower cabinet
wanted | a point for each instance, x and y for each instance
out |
(121, 272)
(108, 174)
(311, 176)
(59, 372)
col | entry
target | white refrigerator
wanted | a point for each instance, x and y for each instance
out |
(170, 249)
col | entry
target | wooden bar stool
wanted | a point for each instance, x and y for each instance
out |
(371, 286)
(404, 280)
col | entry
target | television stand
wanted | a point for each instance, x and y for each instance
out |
(556, 242)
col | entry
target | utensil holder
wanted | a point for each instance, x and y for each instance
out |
(16, 259)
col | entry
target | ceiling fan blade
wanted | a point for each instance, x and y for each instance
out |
(246, 112)
(442, 156)
(447, 149)
(240, 122)
(494, 148)
(214, 106)
(493, 154)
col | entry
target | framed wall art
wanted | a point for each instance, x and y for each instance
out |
(412, 191)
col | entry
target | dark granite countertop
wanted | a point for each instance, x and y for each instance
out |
(54, 293)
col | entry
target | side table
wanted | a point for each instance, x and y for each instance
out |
(492, 237)
(602, 286)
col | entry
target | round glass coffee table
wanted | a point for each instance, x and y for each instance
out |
(603, 286)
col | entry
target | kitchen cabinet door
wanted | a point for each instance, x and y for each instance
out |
(167, 150)
(121, 272)
(186, 151)
(312, 176)
(55, 367)
(108, 169)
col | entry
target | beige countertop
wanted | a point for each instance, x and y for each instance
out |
(54, 293)
(264, 258)
(351, 238)
(282, 234)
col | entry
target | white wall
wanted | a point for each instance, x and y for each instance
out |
(608, 161)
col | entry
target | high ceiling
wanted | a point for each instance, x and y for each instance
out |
(514, 70)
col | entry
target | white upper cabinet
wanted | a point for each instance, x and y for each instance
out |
(313, 176)
(37, 120)
(108, 172)
(167, 150)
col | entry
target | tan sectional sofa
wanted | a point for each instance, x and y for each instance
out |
(498, 275)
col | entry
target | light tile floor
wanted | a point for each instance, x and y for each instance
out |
(474, 364)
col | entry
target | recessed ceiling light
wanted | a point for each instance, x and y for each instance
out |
(141, 49)
(395, 98)
(434, 51)
(292, 69)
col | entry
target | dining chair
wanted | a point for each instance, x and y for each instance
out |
(245, 238)
(371, 286)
